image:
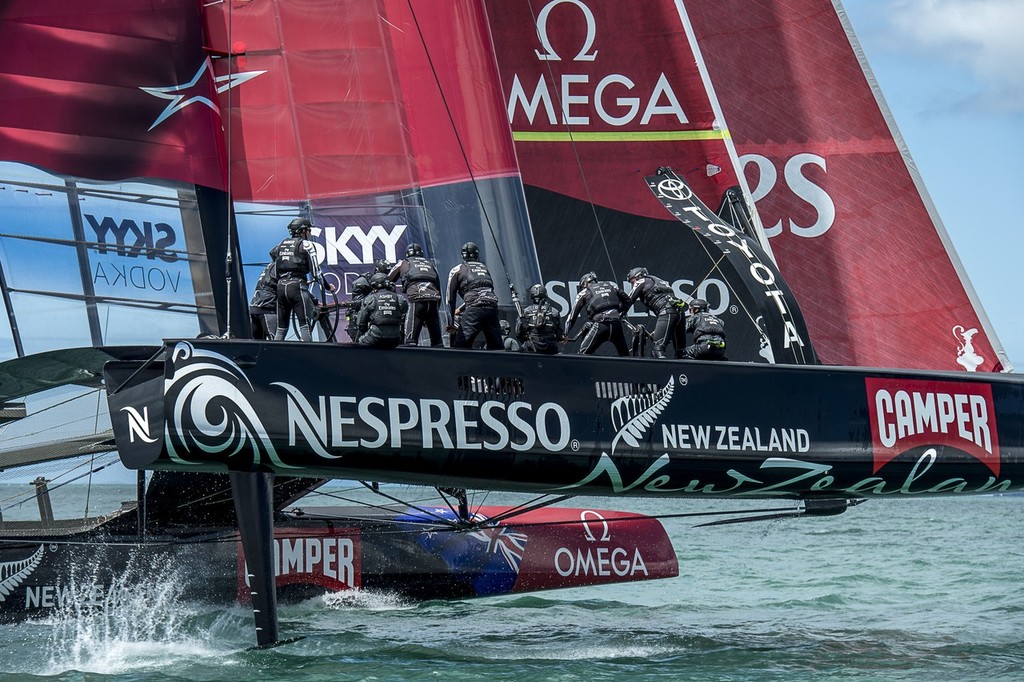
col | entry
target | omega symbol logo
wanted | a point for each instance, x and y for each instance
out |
(549, 53)
(670, 188)
(589, 516)
(138, 424)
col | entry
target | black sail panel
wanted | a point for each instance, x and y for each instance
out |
(769, 314)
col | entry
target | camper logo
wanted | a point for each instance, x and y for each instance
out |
(14, 573)
(914, 413)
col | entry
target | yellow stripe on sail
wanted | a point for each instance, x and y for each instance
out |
(624, 136)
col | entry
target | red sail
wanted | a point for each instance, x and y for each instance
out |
(359, 98)
(592, 114)
(853, 228)
(109, 90)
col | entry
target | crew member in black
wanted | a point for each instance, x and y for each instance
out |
(708, 333)
(422, 286)
(657, 295)
(381, 314)
(540, 328)
(604, 303)
(472, 281)
(360, 289)
(295, 257)
(263, 305)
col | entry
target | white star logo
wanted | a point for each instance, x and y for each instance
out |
(179, 94)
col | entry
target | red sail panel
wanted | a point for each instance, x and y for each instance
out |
(592, 114)
(109, 90)
(341, 99)
(852, 227)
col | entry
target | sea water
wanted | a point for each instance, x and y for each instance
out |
(920, 589)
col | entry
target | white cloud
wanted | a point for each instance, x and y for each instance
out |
(984, 36)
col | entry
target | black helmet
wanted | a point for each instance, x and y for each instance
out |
(470, 251)
(636, 273)
(413, 249)
(699, 304)
(298, 226)
(382, 266)
(538, 293)
(380, 281)
(361, 286)
(587, 279)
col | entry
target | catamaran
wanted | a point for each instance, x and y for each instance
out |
(154, 153)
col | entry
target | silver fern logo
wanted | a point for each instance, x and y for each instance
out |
(633, 415)
(13, 573)
(211, 409)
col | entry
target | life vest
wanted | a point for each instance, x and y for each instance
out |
(387, 309)
(291, 258)
(543, 323)
(658, 295)
(707, 325)
(476, 277)
(604, 296)
(420, 270)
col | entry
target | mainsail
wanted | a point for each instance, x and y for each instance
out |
(852, 225)
(383, 121)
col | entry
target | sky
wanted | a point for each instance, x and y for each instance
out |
(952, 73)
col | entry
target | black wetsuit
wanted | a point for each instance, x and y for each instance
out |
(380, 319)
(263, 305)
(708, 337)
(422, 287)
(472, 281)
(604, 303)
(295, 258)
(657, 295)
(540, 328)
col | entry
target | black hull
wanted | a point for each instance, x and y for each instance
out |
(569, 424)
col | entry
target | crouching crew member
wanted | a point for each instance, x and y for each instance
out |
(360, 290)
(381, 314)
(422, 287)
(657, 295)
(604, 303)
(540, 328)
(472, 281)
(708, 333)
(263, 305)
(295, 258)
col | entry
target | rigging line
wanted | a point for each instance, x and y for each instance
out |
(27, 495)
(458, 139)
(576, 153)
(441, 519)
(59, 485)
(229, 260)
(528, 507)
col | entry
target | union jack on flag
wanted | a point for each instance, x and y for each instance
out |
(505, 542)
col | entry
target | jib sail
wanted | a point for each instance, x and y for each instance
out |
(850, 220)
